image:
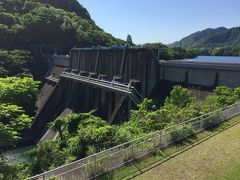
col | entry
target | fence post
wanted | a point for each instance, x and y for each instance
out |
(95, 166)
(155, 141)
(182, 137)
(160, 138)
(132, 149)
(43, 176)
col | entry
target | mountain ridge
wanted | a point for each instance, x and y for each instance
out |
(210, 38)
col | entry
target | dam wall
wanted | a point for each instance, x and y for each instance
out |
(121, 65)
(200, 74)
(112, 81)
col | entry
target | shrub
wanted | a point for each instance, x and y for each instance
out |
(180, 135)
(212, 120)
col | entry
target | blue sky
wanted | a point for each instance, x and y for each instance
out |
(161, 20)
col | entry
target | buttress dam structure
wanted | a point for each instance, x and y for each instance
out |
(112, 81)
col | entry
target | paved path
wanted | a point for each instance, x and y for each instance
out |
(204, 161)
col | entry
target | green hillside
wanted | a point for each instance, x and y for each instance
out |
(26, 24)
(69, 6)
(211, 38)
(63, 23)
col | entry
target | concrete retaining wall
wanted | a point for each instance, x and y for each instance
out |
(175, 74)
(201, 77)
(229, 79)
(206, 75)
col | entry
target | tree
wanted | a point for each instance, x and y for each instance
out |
(12, 121)
(178, 53)
(129, 40)
(6, 36)
(179, 97)
(225, 96)
(237, 93)
(80, 131)
(48, 155)
(7, 171)
(164, 53)
(19, 91)
(7, 19)
(15, 63)
(211, 103)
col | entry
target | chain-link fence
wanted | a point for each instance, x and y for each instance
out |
(108, 160)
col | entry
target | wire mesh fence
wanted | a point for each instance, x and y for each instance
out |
(95, 165)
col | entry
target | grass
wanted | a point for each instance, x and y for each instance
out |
(209, 155)
(232, 173)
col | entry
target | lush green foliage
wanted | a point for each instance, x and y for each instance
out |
(225, 96)
(12, 121)
(84, 134)
(7, 19)
(23, 23)
(47, 156)
(69, 6)
(15, 63)
(179, 97)
(12, 171)
(16, 96)
(19, 91)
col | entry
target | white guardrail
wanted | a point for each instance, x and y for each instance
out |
(97, 164)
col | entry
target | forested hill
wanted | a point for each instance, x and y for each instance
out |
(211, 38)
(70, 6)
(55, 22)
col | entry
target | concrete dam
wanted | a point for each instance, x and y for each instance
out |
(112, 81)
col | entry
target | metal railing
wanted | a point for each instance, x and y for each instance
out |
(100, 163)
(127, 89)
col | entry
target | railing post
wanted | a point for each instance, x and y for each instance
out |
(160, 138)
(95, 166)
(183, 126)
(132, 149)
(43, 176)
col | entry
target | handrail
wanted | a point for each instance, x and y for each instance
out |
(100, 80)
(128, 89)
(112, 83)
